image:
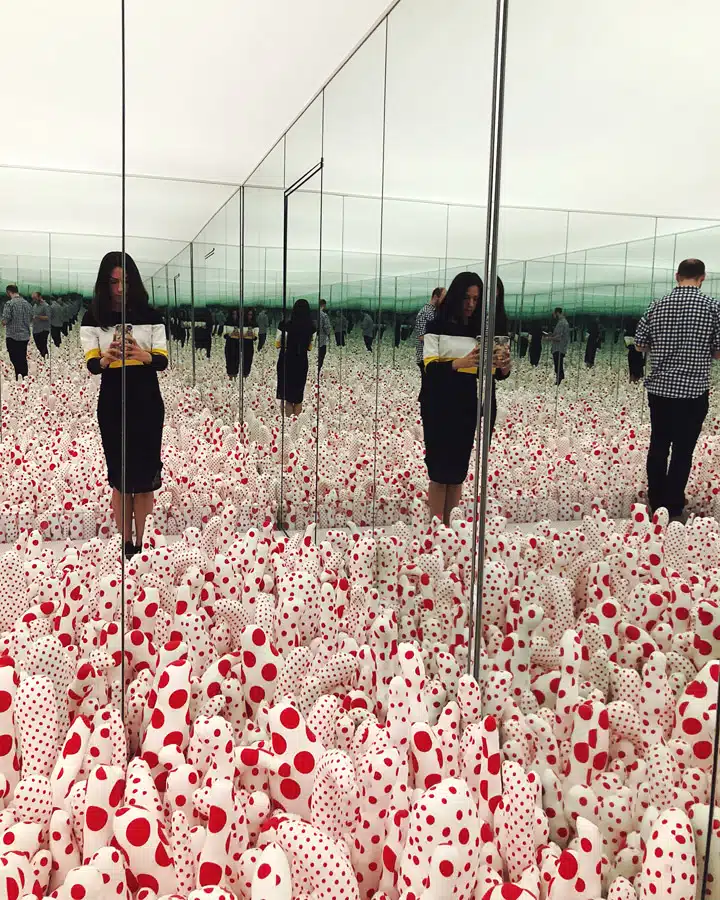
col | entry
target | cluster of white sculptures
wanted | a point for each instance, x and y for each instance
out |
(253, 716)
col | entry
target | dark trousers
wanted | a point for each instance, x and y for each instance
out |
(232, 356)
(56, 332)
(248, 354)
(65, 329)
(321, 356)
(41, 341)
(368, 342)
(262, 337)
(558, 360)
(17, 351)
(340, 338)
(676, 425)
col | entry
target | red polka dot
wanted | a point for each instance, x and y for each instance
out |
(96, 818)
(269, 672)
(258, 637)
(567, 866)
(304, 762)
(290, 789)
(5, 701)
(423, 741)
(263, 870)
(446, 868)
(210, 873)
(217, 820)
(138, 832)
(77, 892)
(178, 699)
(702, 749)
(290, 718)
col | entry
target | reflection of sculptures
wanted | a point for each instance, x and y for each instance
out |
(448, 402)
(294, 339)
(682, 333)
(560, 340)
(145, 355)
(17, 318)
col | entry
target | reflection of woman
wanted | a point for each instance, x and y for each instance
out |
(636, 360)
(593, 343)
(232, 346)
(294, 339)
(145, 356)
(449, 394)
(536, 345)
(250, 335)
(501, 355)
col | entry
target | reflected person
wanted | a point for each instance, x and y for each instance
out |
(425, 315)
(262, 324)
(56, 319)
(449, 395)
(250, 336)
(17, 319)
(41, 323)
(368, 330)
(324, 332)
(681, 332)
(560, 340)
(145, 356)
(294, 340)
(636, 359)
(593, 343)
(232, 346)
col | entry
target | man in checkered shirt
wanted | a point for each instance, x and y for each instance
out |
(422, 320)
(682, 334)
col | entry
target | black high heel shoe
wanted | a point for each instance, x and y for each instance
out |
(130, 549)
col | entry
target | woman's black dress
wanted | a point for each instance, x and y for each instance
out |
(449, 413)
(292, 364)
(232, 355)
(145, 411)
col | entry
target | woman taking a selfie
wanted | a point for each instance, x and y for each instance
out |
(449, 391)
(145, 356)
(294, 339)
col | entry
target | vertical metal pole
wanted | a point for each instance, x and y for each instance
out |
(241, 309)
(123, 373)
(192, 310)
(485, 381)
(50, 342)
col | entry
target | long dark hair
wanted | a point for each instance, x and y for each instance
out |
(249, 317)
(452, 308)
(300, 328)
(501, 320)
(136, 297)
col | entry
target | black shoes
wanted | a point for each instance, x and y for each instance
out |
(131, 549)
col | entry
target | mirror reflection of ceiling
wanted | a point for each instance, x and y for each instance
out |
(604, 114)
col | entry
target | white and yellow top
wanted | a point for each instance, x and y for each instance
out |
(446, 348)
(149, 336)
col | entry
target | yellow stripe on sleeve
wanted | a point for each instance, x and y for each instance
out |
(92, 354)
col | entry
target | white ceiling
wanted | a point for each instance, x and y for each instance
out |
(607, 109)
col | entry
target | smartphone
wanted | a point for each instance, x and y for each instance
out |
(117, 336)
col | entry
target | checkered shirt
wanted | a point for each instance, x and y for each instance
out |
(422, 320)
(682, 331)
